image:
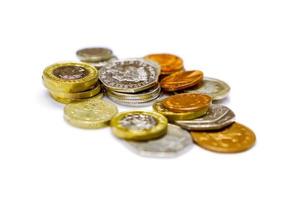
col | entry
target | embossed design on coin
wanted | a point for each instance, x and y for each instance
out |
(138, 122)
(234, 138)
(172, 144)
(70, 72)
(131, 75)
(217, 117)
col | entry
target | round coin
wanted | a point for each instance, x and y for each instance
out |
(92, 113)
(187, 102)
(94, 54)
(217, 117)
(181, 80)
(172, 144)
(234, 138)
(215, 88)
(100, 64)
(139, 125)
(169, 63)
(130, 75)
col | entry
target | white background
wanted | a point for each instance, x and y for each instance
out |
(253, 45)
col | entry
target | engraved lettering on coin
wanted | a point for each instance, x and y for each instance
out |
(70, 72)
(138, 122)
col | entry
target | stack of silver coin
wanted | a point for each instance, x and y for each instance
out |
(131, 82)
(96, 56)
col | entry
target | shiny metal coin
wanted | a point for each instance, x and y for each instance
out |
(94, 54)
(130, 75)
(215, 88)
(172, 144)
(217, 117)
(99, 65)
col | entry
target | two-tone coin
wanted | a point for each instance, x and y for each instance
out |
(234, 138)
(217, 117)
(173, 143)
(139, 125)
(94, 54)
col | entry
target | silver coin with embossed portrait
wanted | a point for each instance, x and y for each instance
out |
(217, 117)
(130, 75)
(175, 142)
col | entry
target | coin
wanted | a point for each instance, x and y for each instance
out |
(215, 88)
(130, 75)
(169, 63)
(70, 77)
(217, 117)
(139, 125)
(172, 144)
(94, 54)
(234, 138)
(181, 80)
(187, 102)
(92, 113)
(134, 102)
(158, 107)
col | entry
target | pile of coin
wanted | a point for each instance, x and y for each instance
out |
(69, 82)
(131, 82)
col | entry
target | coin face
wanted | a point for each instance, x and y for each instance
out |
(181, 80)
(174, 142)
(169, 63)
(129, 76)
(95, 54)
(187, 102)
(139, 125)
(70, 72)
(217, 117)
(215, 88)
(234, 138)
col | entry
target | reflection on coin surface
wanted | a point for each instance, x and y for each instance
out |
(94, 54)
(215, 88)
(100, 64)
(234, 138)
(139, 125)
(174, 142)
(130, 75)
(217, 117)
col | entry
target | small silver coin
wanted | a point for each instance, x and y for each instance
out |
(217, 117)
(99, 65)
(215, 88)
(130, 75)
(94, 54)
(172, 144)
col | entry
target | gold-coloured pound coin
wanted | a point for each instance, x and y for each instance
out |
(139, 125)
(235, 138)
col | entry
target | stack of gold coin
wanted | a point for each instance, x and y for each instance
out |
(96, 56)
(131, 82)
(71, 81)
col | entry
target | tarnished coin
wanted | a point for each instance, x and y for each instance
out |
(172, 116)
(172, 144)
(130, 75)
(215, 88)
(187, 102)
(181, 80)
(70, 77)
(217, 117)
(92, 113)
(94, 54)
(139, 125)
(234, 138)
(169, 63)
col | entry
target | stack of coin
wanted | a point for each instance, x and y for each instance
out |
(71, 81)
(96, 56)
(131, 82)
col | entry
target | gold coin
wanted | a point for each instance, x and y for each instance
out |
(235, 138)
(139, 125)
(187, 102)
(70, 77)
(172, 116)
(69, 100)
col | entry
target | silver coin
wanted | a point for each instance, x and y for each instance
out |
(99, 65)
(130, 75)
(172, 144)
(215, 88)
(94, 54)
(217, 117)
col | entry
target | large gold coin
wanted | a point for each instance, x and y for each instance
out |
(169, 63)
(139, 125)
(187, 102)
(70, 77)
(69, 100)
(235, 138)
